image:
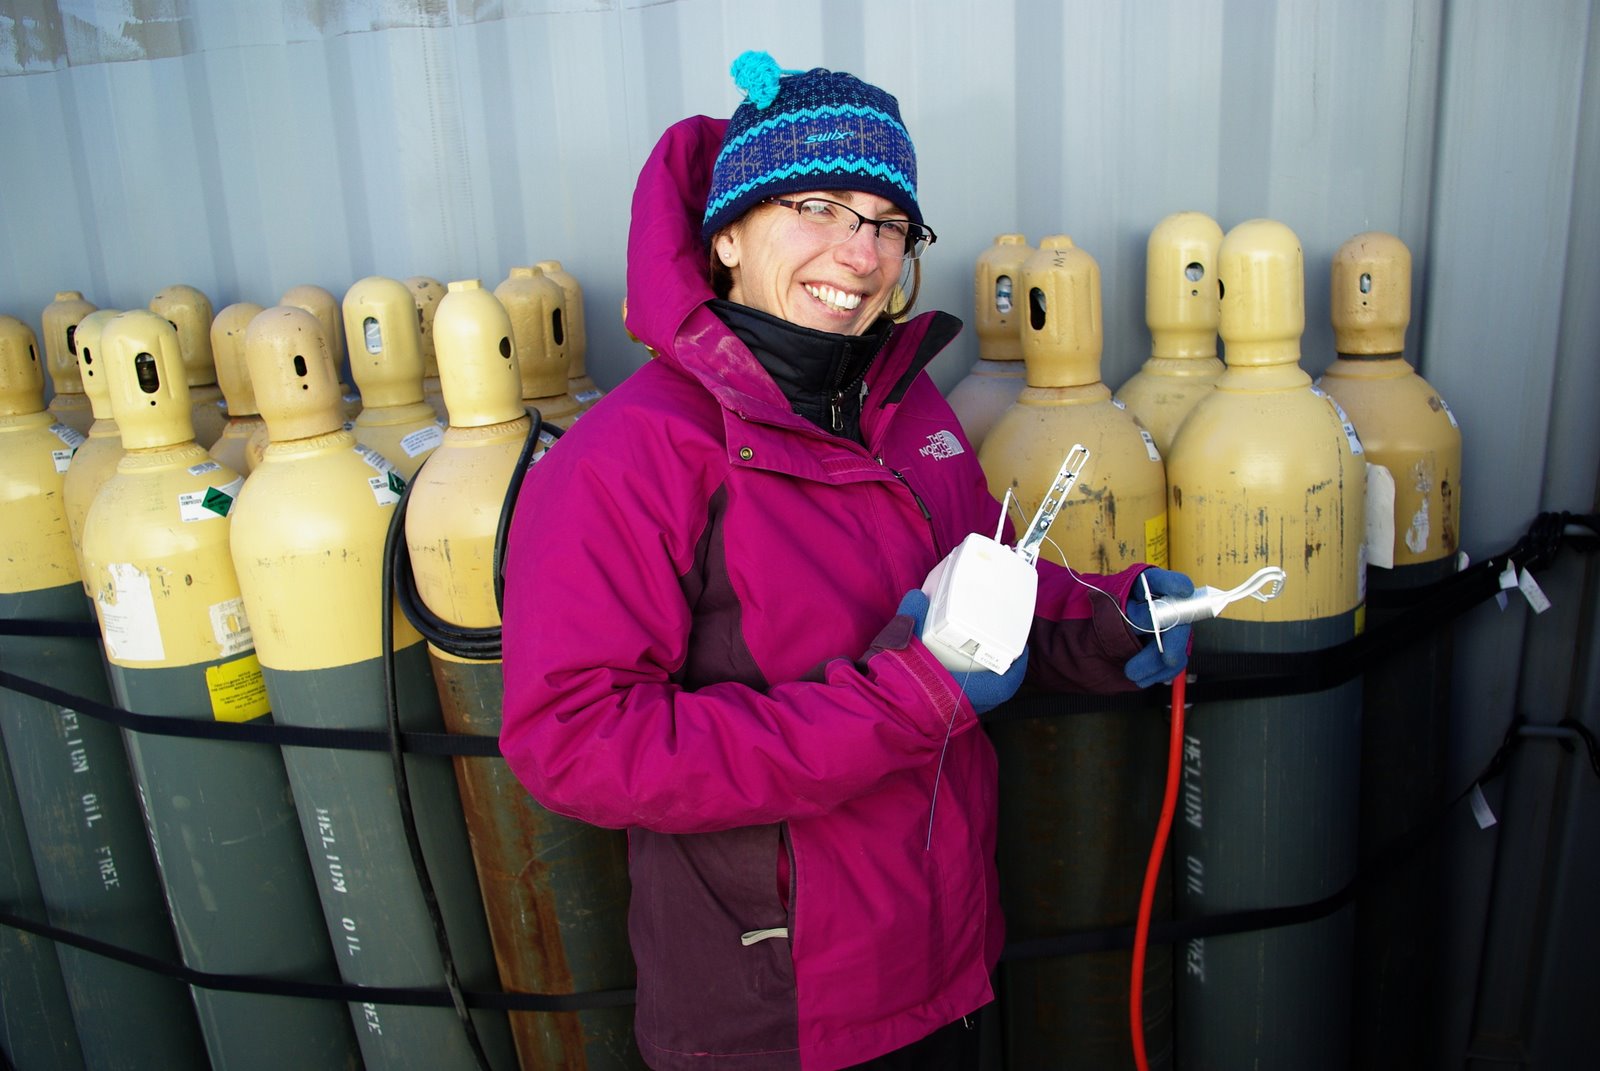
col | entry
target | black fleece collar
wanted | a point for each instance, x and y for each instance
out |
(820, 373)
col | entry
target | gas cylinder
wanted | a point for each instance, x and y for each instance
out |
(1265, 472)
(74, 789)
(556, 889)
(1180, 308)
(999, 376)
(308, 539)
(380, 318)
(1081, 795)
(325, 307)
(569, 328)
(219, 814)
(426, 292)
(243, 438)
(1413, 445)
(96, 459)
(533, 301)
(60, 320)
(36, 1028)
(189, 311)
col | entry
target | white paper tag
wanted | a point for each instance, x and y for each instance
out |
(587, 397)
(422, 439)
(1480, 808)
(1344, 421)
(1446, 407)
(1150, 445)
(1119, 403)
(128, 617)
(69, 435)
(203, 468)
(1380, 516)
(230, 627)
(1533, 592)
(62, 459)
(373, 458)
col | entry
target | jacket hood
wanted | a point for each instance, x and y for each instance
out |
(669, 284)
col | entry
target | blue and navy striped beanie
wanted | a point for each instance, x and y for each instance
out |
(816, 130)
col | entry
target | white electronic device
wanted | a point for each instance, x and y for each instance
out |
(981, 597)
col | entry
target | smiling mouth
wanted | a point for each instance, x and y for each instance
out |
(839, 300)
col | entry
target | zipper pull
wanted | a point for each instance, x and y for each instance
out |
(834, 401)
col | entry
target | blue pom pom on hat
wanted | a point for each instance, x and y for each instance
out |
(811, 130)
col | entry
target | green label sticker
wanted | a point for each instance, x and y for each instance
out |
(397, 483)
(217, 502)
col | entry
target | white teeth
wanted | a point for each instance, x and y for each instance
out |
(836, 298)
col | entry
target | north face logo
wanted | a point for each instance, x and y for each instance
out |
(942, 444)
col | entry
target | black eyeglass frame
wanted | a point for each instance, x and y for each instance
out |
(914, 231)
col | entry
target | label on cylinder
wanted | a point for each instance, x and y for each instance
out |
(238, 690)
(424, 439)
(1150, 445)
(128, 616)
(230, 627)
(1155, 540)
(73, 438)
(209, 503)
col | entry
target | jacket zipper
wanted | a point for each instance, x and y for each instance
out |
(933, 537)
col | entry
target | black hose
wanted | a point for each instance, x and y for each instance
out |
(480, 644)
(408, 818)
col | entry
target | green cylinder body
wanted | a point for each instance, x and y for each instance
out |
(94, 865)
(235, 872)
(36, 1027)
(351, 822)
(1264, 471)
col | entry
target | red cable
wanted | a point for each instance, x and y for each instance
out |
(1152, 871)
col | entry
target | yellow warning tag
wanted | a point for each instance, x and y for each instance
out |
(1155, 540)
(238, 690)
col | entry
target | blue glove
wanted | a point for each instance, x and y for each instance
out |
(1152, 665)
(984, 689)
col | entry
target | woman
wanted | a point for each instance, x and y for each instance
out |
(711, 618)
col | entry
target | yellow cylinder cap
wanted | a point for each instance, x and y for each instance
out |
(293, 374)
(1371, 294)
(21, 375)
(998, 297)
(325, 307)
(1061, 335)
(478, 369)
(60, 319)
(380, 320)
(227, 349)
(147, 384)
(1180, 291)
(1262, 292)
(426, 292)
(533, 301)
(569, 326)
(91, 361)
(190, 312)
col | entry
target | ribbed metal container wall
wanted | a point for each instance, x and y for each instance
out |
(511, 132)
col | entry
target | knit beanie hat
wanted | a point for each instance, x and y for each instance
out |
(816, 130)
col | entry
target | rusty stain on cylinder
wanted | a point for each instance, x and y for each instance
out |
(532, 866)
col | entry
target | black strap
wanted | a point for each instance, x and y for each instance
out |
(284, 987)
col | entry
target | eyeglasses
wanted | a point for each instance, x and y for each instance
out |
(836, 223)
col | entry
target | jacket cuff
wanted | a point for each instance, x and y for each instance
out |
(898, 644)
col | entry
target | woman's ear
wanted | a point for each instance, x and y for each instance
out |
(726, 248)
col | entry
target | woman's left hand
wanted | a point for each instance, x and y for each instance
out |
(1158, 664)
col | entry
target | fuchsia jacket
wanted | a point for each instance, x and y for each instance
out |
(701, 647)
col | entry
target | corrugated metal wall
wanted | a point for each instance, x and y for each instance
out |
(245, 147)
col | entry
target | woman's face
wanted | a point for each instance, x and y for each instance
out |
(782, 266)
